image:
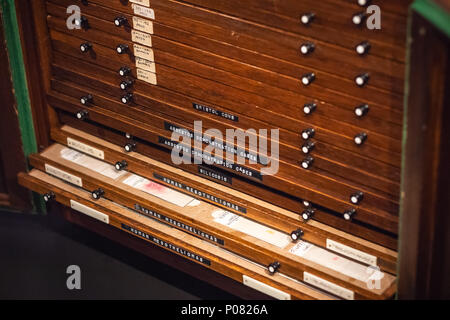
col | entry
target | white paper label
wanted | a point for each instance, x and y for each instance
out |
(63, 175)
(88, 162)
(351, 252)
(251, 228)
(145, 65)
(328, 286)
(141, 37)
(264, 288)
(158, 190)
(89, 211)
(143, 25)
(330, 260)
(143, 52)
(146, 76)
(85, 148)
(141, 2)
(143, 11)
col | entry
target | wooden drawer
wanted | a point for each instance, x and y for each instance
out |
(210, 223)
(324, 87)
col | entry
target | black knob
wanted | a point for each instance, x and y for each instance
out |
(308, 133)
(85, 47)
(363, 3)
(308, 146)
(308, 214)
(363, 48)
(349, 214)
(306, 203)
(359, 18)
(82, 22)
(122, 48)
(98, 193)
(362, 110)
(126, 99)
(307, 162)
(297, 234)
(362, 79)
(307, 18)
(130, 147)
(307, 48)
(360, 138)
(308, 78)
(273, 267)
(120, 21)
(121, 165)
(82, 115)
(126, 84)
(309, 108)
(124, 71)
(357, 197)
(87, 99)
(49, 196)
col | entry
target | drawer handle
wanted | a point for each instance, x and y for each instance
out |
(306, 203)
(307, 18)
(82, 22)
(357, 197)
(308, 78)
(308, 147)
(124, 71)
(363, 48)
(127, 98)
(121, 165)
(358, 18)
(360, 138)
(307, 48)
(129, 147)
(349, 214)
(98, 193)
(49, 196)
(87, 99)
(362, 110)
(363, 3)
(122, 48)
(308, 133)
(297, 234)
(307, 162)
(82, 115)
(126, 84)
(362, 79)
(273, 267)
(308, 214)
(120, 21)
(309, 108)
(85, 47)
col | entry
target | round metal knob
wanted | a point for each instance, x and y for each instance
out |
(120, 21)
(308, 214)
(362, 79)
(360, 138)
(121, 165)
(362, 110)
(82, 22)
(124, 71)
(87, 99)
(363, 48)
(122, 48)
(306, 203)
(49, 196)
(308, 78)
(307, 48)
(98, 193)
(309, 108)
(82, 115)
(130, 147)
(127, 98)
(297, 234)
(308, 146)
(85, 47)
(307, 162)
(349, 214)
(363, 3)
(126, 84)
(358, 18)
(273, 267)
(308, 133)
(307, 18)
(357, 197)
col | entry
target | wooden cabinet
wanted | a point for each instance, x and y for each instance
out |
(118, 89)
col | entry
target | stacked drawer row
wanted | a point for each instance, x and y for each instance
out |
(136, 72)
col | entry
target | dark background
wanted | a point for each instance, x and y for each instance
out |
(36, 251)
